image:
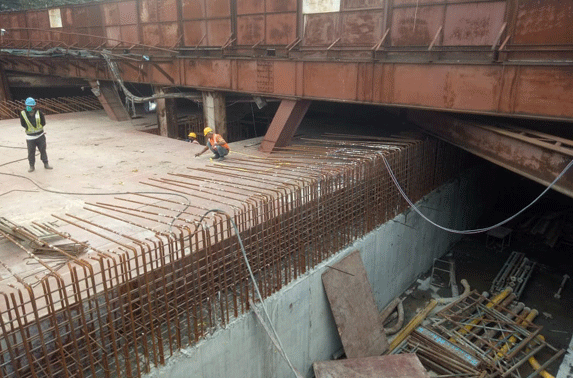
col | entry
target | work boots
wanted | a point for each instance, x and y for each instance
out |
(47, 166)
(31, 169)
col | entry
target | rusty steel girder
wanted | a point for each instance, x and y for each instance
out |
(535, 155)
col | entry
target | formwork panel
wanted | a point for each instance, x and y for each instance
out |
(247, 76)
(94, 16)
(320, 29)
(412, 26)
(284, 72)
(218, 8)
(110, 13)
(330, 80)
(214, 73)
(192, 9)
(38, 20)
(169, 33)
(113, 34)
(362, 28)
(280, 28)
(361, 4)
(67, 17)
(130, 34)
(170, 69)
(383, 83)
(545, 91)
(415, 3)
(127, 13)
(250, 6)
(456, 87)
(151, 34)
(544, 22)
(167, 10)
(281, 6)
(218, 31)
(148, 11)
(473, 24)
(250, 29)
(365, 78)
(193, 32)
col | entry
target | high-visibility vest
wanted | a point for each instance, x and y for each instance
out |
(31, 128)
(213, 140)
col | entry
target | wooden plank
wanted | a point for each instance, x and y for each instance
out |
(405, 365)
(354, 309)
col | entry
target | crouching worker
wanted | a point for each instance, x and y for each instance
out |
(215, 143)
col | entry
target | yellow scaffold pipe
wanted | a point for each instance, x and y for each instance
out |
(496, 300)
(505, 348)
(412, 325)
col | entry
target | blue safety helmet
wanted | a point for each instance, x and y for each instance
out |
(30, 102)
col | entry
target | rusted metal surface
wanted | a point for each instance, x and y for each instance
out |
(475, 24)
(352, 304)
(405, 365)
(170, 273)
(537, 156)
(110, 100)
(367, 51)
(284, 125)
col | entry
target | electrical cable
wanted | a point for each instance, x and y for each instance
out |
(478, 230)
(105, 194)
(280, 346)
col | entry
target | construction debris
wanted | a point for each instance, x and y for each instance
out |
(392, 366)
(477, 337)
(515, 273)
(354, 309)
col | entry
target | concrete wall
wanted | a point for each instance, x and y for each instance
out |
(393, 255)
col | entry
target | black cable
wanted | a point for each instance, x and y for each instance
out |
(105, 194)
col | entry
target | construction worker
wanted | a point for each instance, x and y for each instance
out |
(33, 122)
(215, 143)
(193, 138)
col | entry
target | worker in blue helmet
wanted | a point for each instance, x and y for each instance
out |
(33, 121)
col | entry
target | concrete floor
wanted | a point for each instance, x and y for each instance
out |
(94, 158)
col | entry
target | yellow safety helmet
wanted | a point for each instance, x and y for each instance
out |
(207, 130)
(192, 135)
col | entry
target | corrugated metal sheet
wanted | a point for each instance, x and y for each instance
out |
(473, 24)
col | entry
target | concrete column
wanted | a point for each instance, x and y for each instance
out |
(110, 100)
(5, 94)
(166, 113)
(215, 112)
(285, 123)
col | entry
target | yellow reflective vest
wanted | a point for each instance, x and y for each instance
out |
(31, 128)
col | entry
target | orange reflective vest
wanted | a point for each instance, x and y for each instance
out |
(215, 138)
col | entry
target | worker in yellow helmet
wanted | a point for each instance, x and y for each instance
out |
(215, 143)
(193, 138)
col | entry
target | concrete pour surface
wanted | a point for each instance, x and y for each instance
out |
(93, 157)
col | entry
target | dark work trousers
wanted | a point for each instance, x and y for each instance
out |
(41, 144)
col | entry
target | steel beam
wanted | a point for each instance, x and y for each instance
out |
(285, 123)
(110, 100)
(5, 94)
(166, 113)
(537, 156)
(215, 112)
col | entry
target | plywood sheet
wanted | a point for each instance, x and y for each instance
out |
(352, 304)
(393, 366)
